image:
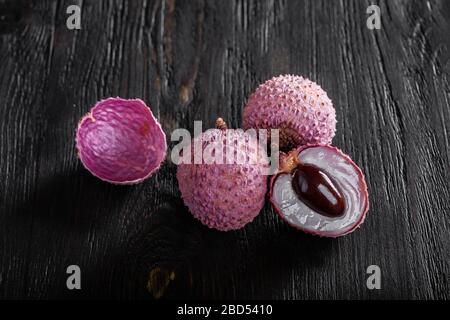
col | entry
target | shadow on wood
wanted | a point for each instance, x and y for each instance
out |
(75, 201)
(182, 258)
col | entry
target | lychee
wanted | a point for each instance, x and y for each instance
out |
(320, 190)
(120, 141)
(298, 107)
(224, 194)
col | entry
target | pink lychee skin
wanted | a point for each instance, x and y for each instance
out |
(297, 106)
(120, 141)
(225, 196)
(360, 174)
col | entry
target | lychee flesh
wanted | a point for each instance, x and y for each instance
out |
(230, 195)
(297, 106)
(120, 141)
(345, 176)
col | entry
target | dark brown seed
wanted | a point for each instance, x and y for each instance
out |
(318, 191)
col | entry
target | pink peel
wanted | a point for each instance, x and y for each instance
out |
(120, 141)
(297, 106)
(225, 196)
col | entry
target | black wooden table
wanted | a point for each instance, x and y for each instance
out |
(197, 60)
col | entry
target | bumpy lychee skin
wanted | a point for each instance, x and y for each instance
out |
(230, 195)
(297, 106)
(120, 141)
(342, 191)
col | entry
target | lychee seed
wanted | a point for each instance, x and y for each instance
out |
(318, 190)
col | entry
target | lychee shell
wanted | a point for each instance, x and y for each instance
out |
(225, 196)
(297, 106)
(120, 141)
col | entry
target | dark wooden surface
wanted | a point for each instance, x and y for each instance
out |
(197, 60)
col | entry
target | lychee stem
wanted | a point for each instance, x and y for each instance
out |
(290, 163)
(221, 124)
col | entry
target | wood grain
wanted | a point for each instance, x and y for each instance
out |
(197, 60)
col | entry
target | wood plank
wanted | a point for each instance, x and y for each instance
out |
(197, 60)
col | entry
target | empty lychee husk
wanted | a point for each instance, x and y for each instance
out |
(320, 191)
(120, 141)
(297, 106)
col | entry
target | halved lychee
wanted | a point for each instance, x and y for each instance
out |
(320, 190)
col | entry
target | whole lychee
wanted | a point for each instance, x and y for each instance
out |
(298, 107)
(120, 141)
(320, 190)
(228, 192)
